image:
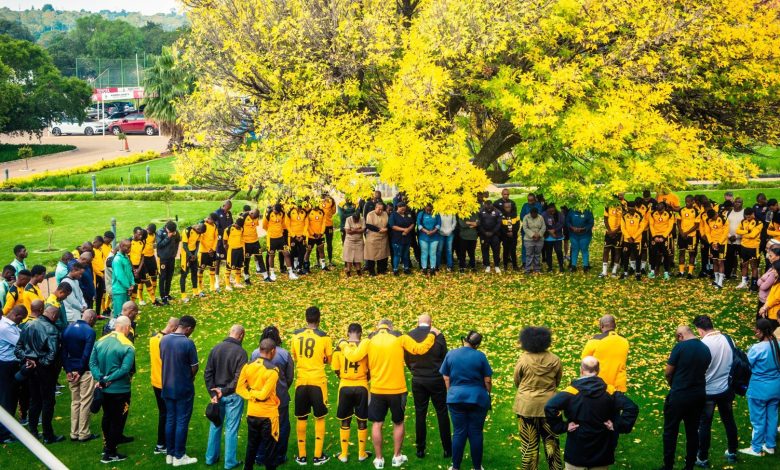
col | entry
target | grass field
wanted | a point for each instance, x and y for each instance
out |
(160, 169)
(768, 159)
(8, 152)
(76, 222)
(498, 307)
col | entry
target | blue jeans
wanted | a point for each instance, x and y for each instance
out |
(445, 248)
(280, 452)
(468, 422)
(763, 418)
(177, 424)
(428, 248)
(230, 409)
(580, 244)
(401, 255)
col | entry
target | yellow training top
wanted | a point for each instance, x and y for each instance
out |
(689, 218)
(136, 252)
(718, 230)
(315, 222)
(311, 350)
(155, 360)
(611, 350)
(613, 215)
(234, 237)
(274, 225)
(329, 208)
(352, 374)
(208, 239)
(661, 223)
(297, 223)
(149, 246)
(249, 232)
(257, 385)
(632, 226)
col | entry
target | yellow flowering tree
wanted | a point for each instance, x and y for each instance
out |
(581, 97)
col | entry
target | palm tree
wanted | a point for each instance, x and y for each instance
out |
(167, 81)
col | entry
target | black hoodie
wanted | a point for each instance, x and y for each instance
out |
(589, 403)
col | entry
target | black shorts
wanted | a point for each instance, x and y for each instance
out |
(150, 265)
(206, 260)
(141, 274)
(381, 403)
(329, 230)
(316, 241)
(310, 399)
(689, 243)
(221, 250)
(613, 241)
(251, 249)
(748, 254)
(277, 244)
(235, 258)
(353, 401)
(720, 252)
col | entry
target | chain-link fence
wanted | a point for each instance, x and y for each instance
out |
(105, 73)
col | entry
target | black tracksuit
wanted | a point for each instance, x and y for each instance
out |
(489, 228)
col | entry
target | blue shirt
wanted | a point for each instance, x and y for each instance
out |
(9, 336)
(526, 209)
(428, 222)
(467, 368)
(402, 221)
(87, 283)
(580, 219)
(284, 362)
(178, 355)
(78, 340)
(765, 381)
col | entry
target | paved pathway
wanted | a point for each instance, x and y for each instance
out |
(89, 150)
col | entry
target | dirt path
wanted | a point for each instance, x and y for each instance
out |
(89, 150)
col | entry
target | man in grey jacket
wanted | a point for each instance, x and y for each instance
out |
(74, 303)
(533, 240)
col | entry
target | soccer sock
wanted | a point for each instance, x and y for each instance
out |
(644, 265)
(213, 279)
(604, 268)
(362, 439)
(237, 274)
(226, 276)
(614, 268)
(150, 289)
(300, 431)
(344, 435)
(690, 269)
(322, 263)
(745, 279)
(289, 270)
(682, 268)
(319, 436)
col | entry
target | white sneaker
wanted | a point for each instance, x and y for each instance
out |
(498, 270)
(399, 460)
(185, 460)
(169, 460)
(742, 285)
(487, 270)
(750, 451)
(141, 303)
(228, 288)
(768, 450)
(272, 276)
(343, 458)
(239, 286)
(379, 463)
(292, 275)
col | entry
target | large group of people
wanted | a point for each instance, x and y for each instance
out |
(42, 336)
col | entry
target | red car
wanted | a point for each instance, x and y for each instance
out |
(134, 123)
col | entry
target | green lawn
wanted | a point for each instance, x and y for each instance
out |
(648, 313)
(8, 152)
(76, 222)
(767, 158)
(161, 170)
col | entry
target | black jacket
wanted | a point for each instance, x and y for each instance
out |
(167, 246)
(489, 222)
(39, 341)
(224, 366)
(589, 403)
(426, 366)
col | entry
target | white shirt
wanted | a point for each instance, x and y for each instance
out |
(735, 218)
(9, 336)
(74, 303)
(448, 224)
(717, 375)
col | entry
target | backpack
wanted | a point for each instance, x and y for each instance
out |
(739, 375)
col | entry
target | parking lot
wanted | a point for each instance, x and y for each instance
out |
(89, 150)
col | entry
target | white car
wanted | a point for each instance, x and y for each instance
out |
(86, 128)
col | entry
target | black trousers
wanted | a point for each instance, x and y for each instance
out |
(259, 436)
(684, 409)
(100, 291)
(115, 408)
(43, 384)
(466, 247)
(376, 267)
(191, 269)
(8, 391)
(547, 251)
(431, 390)
(162, 413)
(510, 250)
(416, 248)
(662, 252)
(259, 258)
(725, 402)
(329, 243)
(732, 261)
(488, 244)
(167, 267)
(631, 250)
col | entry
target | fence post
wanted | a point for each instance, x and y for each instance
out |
(113, 229)
(148, 173)
(94, 185)
(6, 174)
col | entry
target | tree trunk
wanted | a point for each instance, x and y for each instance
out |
(500, 142)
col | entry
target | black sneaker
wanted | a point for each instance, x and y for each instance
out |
(301, 461)
(106, 458)
(320, 460)
(420, 454)
(638, 277)
(396, 273)
(689, 276)
(160, 450)
(622, 276)
(268, 279)
(53, 439)
(247, 282)
(91, 437)
(407, 271)
(126, 439)
(157, 303)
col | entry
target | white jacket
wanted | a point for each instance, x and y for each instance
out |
(448, 224)
(74, 303)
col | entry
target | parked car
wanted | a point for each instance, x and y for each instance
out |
(114, 117)
(71, 127)
(96, 109)
(134, 123)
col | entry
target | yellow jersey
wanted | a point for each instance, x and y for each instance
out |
(315, 222)
(689, 218)
(750, 230)
(106, 249)
(136, 252)
(661, 223)
(249, 232)
(613, 215)
(718, 230)
(98, 262)
(311, 350)
(611, 350)
(257, 385)
(13, 297)
(329, 208)
(191, 239)
(670, 199)
(149, 246)
(632, 226)
(773, 231)
(274, 225)
(31, 293)
(234, 237)
(297, 223)
(208, 239)
(351, 374)
(155, 360)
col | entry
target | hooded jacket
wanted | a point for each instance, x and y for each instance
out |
(536, 377)
(590, 403)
